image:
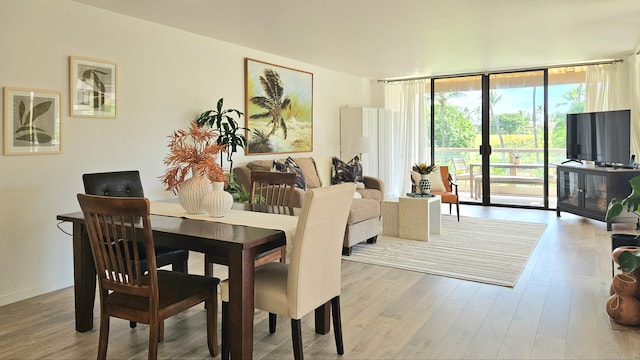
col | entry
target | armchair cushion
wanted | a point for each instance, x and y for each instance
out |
(437, 183)
(435, 177)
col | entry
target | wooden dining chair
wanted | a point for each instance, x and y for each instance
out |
(312, 278)
(270, 192)
(128, 184)
(126, 291)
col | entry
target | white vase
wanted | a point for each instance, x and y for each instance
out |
(218, 202)
(191, 192)
(424, 184)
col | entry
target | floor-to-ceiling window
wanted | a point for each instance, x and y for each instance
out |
(520, 115)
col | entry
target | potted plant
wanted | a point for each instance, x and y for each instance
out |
(515, 156)
(627, 260)
(424, 185)
(192, 151)
(227, 127)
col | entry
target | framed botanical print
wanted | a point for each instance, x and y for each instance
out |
(92, 88)
(279, 108)
(32, 122)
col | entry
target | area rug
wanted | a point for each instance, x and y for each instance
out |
(481, 250)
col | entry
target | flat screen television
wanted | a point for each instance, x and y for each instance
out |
(602, 137)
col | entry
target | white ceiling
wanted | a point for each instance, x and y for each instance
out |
(383, 39)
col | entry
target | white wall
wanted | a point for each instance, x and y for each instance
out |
(166, 77)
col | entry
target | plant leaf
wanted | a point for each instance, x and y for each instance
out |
(41, 109)
(21, 110)
(629, 261)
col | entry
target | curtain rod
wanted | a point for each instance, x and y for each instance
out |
(604, 62)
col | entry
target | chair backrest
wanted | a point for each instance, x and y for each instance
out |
(446, 177)
(459, 165)
(272, 191)
(314, 270)
(115, 226)
(118, 183)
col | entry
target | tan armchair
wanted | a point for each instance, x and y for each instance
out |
(450, 195)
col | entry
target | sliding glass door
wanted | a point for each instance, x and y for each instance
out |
(457, 120)
(516, 169)
(502, 134)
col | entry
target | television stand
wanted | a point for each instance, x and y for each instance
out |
(587, 191)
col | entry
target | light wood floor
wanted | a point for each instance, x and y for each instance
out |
(556, 311)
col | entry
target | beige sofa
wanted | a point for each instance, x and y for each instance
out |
(364, 218)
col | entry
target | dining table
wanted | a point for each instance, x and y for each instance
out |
(229, 243)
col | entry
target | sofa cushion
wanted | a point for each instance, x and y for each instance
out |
(373, 194)
(308, 167)
(323, 165)
(260, 165)
(363, 209)
(350, 171)
(289, 165)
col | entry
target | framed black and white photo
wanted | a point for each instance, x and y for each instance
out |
(32, 122)
(92, 88)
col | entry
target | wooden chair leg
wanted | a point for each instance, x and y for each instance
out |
(104, 337)
(133, 324)
(296, 337)
(212, 324)
(450, 208)
(154, 334)
(458, 210)
(337, 324)
(272, 323)
(225, 331)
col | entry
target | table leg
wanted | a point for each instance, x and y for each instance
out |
(323, 321)
(435, 216)
(84, 278)
(241, 303)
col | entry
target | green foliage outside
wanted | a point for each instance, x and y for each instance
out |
(454, 128)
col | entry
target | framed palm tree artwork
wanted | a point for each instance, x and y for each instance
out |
(92, 88)
(279, 108)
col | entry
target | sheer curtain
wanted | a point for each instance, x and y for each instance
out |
(406, 137)
(634, 103)
(606, 87)
(615, 87)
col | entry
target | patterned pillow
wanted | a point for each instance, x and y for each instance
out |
(290, 166)
(350, 171)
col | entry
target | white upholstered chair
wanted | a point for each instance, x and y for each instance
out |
(312, 278)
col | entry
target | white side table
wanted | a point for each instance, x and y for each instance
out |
(411, 218)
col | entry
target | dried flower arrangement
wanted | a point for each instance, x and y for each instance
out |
(423, 168)
(192, 150)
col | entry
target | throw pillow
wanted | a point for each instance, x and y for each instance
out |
(436, 181)
(350, 171)
(290, 166)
